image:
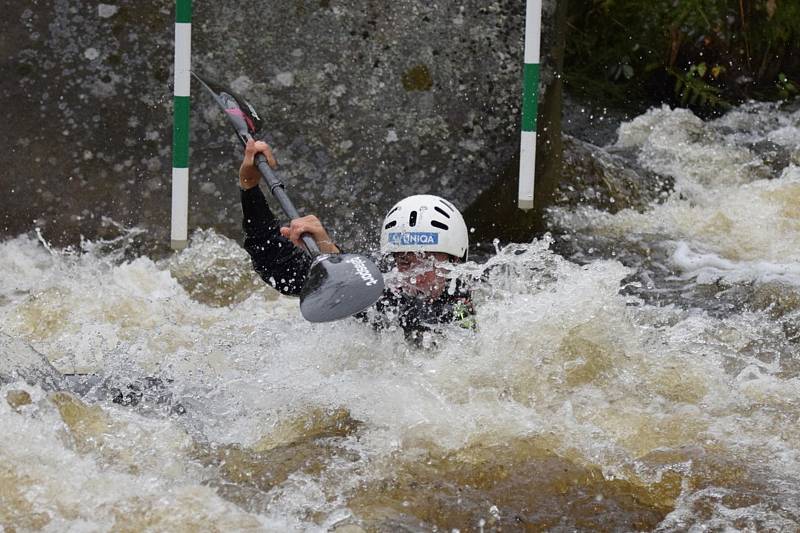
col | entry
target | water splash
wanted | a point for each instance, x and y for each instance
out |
(623, 413)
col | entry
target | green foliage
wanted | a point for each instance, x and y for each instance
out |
(700, 53)
(623, 69)
(786, 87)
(692, 88)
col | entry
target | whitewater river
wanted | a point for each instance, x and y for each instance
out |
(647, 379)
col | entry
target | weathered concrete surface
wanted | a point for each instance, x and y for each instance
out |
(366, 101)
(495, 212)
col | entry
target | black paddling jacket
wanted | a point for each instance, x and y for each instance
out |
(285, 267)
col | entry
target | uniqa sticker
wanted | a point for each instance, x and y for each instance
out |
(414, 238)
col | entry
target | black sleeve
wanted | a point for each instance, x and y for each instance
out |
(279, 262)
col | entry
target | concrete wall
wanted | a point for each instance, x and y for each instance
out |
(366, 102)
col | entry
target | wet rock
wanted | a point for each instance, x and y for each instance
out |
(216, 271)
(313, 424)
(43, 313)
(146, 394)
(710, 479)
(591, 122)
(791, 331)
(773, 155)
(18, 398)
(604, 180)
(186, 508)
(18, 361)
(348, 528)
(607, 179)
(87, 424)
(517, 485)
(778, 299)
(585, 359)
(16, 510)
(303, 444)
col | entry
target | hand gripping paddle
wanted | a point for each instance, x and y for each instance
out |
(338, 285)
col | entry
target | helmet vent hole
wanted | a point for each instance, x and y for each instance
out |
(447, 205)
(391, 224)
(393, 210)
(412, 219)
(440, 225)
(442, 211)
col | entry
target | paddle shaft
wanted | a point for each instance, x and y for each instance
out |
(277, 189)
(246, 124)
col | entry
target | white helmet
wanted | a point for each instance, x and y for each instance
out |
(424, 223)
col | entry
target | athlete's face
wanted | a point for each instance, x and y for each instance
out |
(421, 273)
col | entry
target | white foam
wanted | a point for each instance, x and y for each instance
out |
(558, 352)
(709, 268)
(729, 211)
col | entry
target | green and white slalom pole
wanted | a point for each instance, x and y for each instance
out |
(530, 103)
(180, 130)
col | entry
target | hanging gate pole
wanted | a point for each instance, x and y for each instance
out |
(530, 103)
(180, 130)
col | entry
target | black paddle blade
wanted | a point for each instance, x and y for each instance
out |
(242, 115)
(339, 286)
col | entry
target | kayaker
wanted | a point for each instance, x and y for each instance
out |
(419, 235)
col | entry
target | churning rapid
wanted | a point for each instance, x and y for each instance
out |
(645, 378)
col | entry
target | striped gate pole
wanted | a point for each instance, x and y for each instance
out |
(180, 129)
(530, 103)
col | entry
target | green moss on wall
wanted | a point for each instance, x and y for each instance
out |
(417, 78)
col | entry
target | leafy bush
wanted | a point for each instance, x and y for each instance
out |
(706, 54)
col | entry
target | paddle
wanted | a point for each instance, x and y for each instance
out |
(338, 285)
